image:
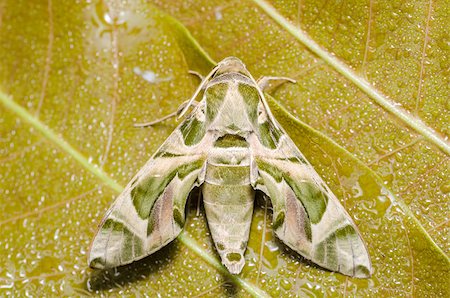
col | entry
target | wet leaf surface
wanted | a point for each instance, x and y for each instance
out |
(75, 77)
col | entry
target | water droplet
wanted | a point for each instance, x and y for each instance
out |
(218, 13)
(285, 284)
(272, 246)
(150, 76)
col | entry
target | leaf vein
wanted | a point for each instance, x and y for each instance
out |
(48, 58)
(422, 62)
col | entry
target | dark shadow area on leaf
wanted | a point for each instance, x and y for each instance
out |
(230, 289)
(292, 254)
(101, 280)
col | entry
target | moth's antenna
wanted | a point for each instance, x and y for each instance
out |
(202, 84)
(262, 84)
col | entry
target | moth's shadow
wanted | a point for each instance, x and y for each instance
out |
(295, 256)
(101, 280)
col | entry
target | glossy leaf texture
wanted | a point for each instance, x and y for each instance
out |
(74, 77)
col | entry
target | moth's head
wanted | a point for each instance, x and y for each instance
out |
(231, 98)
(231, 64)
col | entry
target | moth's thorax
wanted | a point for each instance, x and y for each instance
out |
(231, 102)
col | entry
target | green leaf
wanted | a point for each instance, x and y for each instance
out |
(372, 77)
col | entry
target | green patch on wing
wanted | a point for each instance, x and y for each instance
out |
(279, 220)
(269, 134)
(251, 98)
(193, 131)
(132, 245)
(296, 159)
(326, 251)
(150, 189)
(346, 232)
(362, 271)
(178, 217)
(163, 153)
(273, 171)
(312, 197)
(214, 98)
(268, 139)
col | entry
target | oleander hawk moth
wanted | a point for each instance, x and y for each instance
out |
(230, 145)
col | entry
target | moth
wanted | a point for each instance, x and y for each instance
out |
(230, 145)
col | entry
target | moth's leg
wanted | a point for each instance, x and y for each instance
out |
(197, 74)
(199, 197)
(173, 114)
(263, 82)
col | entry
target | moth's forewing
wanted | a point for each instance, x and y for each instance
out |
(150, 212)
(307, 215)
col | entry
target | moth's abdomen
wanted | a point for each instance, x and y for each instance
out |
(228, 199)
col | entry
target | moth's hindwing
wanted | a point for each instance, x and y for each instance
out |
(150, 212)
(307, 216)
